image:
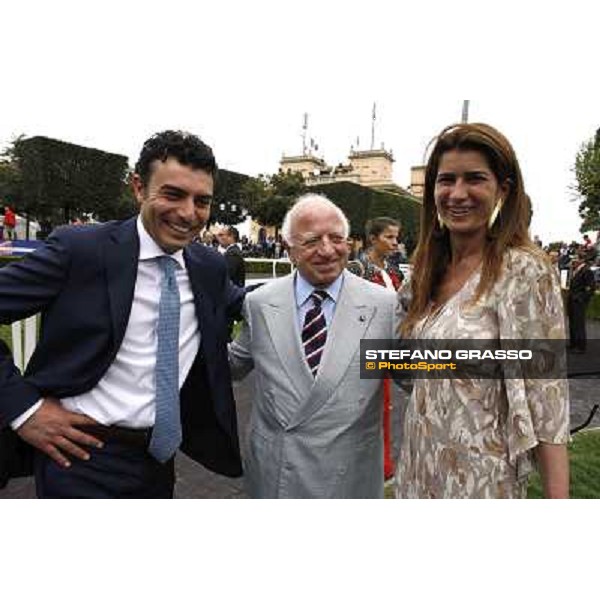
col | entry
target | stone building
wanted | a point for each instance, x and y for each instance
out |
(417, 181)
(371, 168)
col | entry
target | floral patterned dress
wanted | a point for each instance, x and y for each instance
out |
(472, 438)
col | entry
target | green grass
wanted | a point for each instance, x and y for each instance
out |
(584, 454)
(593, 309)
(584, 460)
(6, 334)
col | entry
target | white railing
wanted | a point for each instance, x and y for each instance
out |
(404, 267)
(24, 339)
(274, 262)
(24, 333)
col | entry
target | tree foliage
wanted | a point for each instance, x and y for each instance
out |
(61, 180)
(10, 183)
(587, 172)
(52, 181)
(268, 198)
(361, 203)
(229, 193)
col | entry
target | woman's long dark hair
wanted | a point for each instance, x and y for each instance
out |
(510, 230)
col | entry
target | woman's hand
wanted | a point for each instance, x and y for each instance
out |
(553, 461)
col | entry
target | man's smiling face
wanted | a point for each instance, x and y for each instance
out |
(175, 204)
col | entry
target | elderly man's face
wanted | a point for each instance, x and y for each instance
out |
(320, 250)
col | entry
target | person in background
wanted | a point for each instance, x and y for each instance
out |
(10, 224)
(581, 290)
(564, 260)
(479, 276)
(553, 256)
(402, 251)
(381, 236)
(278, 246)
(228, 237)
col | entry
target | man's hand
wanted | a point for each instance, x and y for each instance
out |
(53, 429)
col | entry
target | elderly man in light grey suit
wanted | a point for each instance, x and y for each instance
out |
(316, 426)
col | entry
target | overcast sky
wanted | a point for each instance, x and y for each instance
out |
(242, 74)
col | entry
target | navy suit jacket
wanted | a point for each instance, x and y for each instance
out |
(82, 281)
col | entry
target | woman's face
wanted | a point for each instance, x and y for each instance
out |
(386, 242)
(466, 191)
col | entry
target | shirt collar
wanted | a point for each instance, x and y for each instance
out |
(304, 289)
(149, 249)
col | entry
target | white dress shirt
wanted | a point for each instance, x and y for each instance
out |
(125, 394)
(303, 290)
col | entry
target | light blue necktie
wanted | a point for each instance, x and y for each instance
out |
(166, 435)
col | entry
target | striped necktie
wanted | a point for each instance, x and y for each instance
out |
(314, 331)
(166, 434)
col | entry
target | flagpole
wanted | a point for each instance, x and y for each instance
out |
(304, 128)
(465, 111)
(373, 128)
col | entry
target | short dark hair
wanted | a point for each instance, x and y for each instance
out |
(186, 148)
(377, 226)
(233, 232)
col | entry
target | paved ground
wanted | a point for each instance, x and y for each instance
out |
(193, 481)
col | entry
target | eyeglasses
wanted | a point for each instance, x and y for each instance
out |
(314, 242)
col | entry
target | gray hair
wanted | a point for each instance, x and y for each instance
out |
(305, 202)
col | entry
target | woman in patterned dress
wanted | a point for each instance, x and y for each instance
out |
(382, 240)
(477, 275)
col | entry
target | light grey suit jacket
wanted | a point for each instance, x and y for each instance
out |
(313, 437)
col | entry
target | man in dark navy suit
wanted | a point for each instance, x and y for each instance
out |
(105, 400)
(581, 291)
(229, 237)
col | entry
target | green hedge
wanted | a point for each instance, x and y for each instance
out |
(251, 267)
(228, 188)
(361, 203)
(267, 268)
(61, 179)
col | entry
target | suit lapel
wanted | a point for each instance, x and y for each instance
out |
(350, 323)
(195, 274)
(122, 255)
(202, 280)
(280, 317)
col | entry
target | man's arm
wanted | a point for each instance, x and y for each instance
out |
(234, 300)
(240, 350)
(26, 288)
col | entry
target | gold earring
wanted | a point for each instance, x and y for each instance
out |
(495, 213)
(440, 221)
